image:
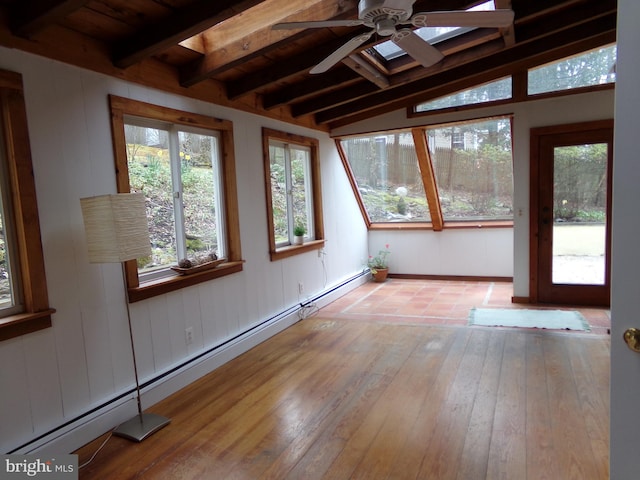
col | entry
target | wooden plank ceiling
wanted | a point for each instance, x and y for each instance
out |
(225, 51)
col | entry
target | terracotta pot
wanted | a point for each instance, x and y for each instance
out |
(380, 275)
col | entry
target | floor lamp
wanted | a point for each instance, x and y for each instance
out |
(116, 230)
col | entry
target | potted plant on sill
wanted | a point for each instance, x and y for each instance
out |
(298, 234)
(378, 265)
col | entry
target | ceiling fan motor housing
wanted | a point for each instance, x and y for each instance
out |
(374, 11)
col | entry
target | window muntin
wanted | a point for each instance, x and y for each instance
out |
(489, 92)
(386, 172)
(176, 170)
(472, 163)
(596, 67)
(207, 148)
(291, 190)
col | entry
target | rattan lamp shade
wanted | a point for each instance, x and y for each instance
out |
(116, 227)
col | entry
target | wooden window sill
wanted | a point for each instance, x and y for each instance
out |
(23, 323)
(164, 285)
(447, 225)
(291, 250)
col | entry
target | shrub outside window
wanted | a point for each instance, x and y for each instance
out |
(184, 164)
(293, 190)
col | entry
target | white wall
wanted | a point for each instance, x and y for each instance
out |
(58, 375)
(483, 252)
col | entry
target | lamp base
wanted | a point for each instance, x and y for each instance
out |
(141, 426)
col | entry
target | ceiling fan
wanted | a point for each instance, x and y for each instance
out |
(383, 16)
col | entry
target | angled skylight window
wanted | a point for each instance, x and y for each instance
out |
(434, 35)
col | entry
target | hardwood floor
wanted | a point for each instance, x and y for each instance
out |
(334, 398)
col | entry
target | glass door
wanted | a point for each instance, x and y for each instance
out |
(571, 224)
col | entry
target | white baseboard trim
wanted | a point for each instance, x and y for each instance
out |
(87, 427)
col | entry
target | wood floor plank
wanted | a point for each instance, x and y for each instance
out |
(402, 403)
(475, 453)
(541, 457)
(359, 439)
(507, 453)
(444, 452)
(422, 432)
(593, 395)
(569, 428)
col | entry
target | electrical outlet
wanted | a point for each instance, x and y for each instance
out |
(300, 287)
(188, 333)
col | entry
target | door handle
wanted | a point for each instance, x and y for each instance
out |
(632, 339)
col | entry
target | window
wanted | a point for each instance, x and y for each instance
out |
(473, 169)
(489, 92)
(24, 302)
(292, 184)
(178, 171)
(385, 169)
(184, 165)
(437, 175)
(596, 67)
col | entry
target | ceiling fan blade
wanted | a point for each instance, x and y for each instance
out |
(462, 18)
(423, 52)
(319, 24)
(340, 53)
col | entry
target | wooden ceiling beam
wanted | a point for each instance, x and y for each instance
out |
(185, 23)
(359, 65)
(479, 71)
(231, 43)
(333, 99)
(315, 85)
(27, 18)
(294, 65)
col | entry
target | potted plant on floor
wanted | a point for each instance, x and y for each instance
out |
(378, 264)
(298, 234)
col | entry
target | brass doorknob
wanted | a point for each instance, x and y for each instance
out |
(632, 339)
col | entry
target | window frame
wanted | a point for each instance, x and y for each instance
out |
(36, 312)
(123, 107)
(519, 88)
(427, 173)
(279, 252)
